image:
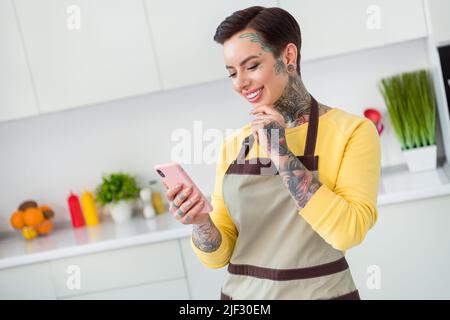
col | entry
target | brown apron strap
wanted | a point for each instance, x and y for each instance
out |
(354, 295)
(313, 125)
(223, 296)
(245, 149)
(289, 274)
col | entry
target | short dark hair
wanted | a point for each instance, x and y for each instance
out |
(275, 26)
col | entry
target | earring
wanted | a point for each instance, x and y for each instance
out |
(290, 68)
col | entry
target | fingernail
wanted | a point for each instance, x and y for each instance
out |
(178, 185)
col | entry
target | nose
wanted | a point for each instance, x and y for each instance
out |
(241, 83)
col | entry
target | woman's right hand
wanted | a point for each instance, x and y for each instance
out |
(185, 205)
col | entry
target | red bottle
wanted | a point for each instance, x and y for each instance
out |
(75, 211)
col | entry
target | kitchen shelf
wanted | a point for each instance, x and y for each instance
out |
(399, 185)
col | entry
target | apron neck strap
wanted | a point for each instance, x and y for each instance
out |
(313, 125)
(246, 146)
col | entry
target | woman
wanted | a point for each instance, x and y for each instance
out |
(294, 188)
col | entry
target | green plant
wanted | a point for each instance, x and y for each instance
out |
(410, 101)
(116, 187)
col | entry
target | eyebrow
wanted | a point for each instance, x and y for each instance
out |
(243, 61)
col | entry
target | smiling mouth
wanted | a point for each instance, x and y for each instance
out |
(255, 95)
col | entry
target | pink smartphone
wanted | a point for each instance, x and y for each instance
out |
(172, 173)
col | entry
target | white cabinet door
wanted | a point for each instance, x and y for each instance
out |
(27, 282)
(82, 51)
(405, 256)
(166, 290)
(204, 283)
(439, 19)
(335, 27)
(17, 98)
(183, 34)
(117, 269)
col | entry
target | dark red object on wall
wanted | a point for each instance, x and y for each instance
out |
(75, 211)
(375, 116)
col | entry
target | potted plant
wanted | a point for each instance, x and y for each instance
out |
(119, 191)
(410, 101)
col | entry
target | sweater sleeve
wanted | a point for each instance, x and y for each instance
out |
(344, 215)
(219, 215)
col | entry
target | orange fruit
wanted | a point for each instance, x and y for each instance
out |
(33, 217)
(45, 227)
(47, 211)
(29, 233)
(17, 220)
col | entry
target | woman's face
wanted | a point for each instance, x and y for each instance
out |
(257, 76)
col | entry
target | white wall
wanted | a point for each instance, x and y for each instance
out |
(44, 157)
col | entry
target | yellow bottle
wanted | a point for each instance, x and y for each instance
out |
(157, 200)
(89, 209)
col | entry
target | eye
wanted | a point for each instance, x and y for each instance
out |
(253, 67)
(232, 75)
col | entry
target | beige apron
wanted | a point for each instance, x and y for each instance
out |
(277, 255)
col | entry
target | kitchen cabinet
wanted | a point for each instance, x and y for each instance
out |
(162, 270)
(405, 255)
(83, 52)
(112, 271)
(140, 259)
(330, 27)
(439, 20)
(32, 281)
(183, 31)
(17, 97)
(166, 290)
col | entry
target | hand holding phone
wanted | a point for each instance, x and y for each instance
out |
(187, 203)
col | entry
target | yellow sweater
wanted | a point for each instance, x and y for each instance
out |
(343, 209)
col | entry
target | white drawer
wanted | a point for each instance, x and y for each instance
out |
(117, 269)
(27, 282)
(166, 290)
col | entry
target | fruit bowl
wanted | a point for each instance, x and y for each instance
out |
(32, 220)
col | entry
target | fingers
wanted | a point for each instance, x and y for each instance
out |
(267, 117)
(172, 192)
(188, 204)
(192, 214)
(255, 133)
(268, 114)
(258, 129)
(264, 109)
(181, 197)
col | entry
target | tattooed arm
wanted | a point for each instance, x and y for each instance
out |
(300, 182)
(206, 236)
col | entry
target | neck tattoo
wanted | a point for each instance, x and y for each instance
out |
(294, 103)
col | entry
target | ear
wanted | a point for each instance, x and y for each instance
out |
(290, 54)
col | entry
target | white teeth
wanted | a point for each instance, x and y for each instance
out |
(254, 94)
